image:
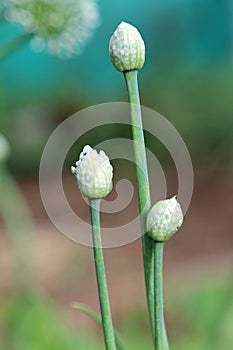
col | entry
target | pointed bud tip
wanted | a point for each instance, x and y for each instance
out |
(73, 169)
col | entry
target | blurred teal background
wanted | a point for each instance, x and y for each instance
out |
(188, 78)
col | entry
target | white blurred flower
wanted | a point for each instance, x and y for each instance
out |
(60, 26)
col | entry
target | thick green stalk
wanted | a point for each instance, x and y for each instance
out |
(12, 46)
(160, 336)
(109, 337)
(143, 186)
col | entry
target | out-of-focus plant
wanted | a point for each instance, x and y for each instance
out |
(17, 219)
(27, 313)
(60, 27)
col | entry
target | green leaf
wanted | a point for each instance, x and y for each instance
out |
(97, 318)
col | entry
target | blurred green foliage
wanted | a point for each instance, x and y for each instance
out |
(206, 316)
(198, 102)
(200, 318)
(30, 322)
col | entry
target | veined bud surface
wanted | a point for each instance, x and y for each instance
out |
(94, 173)
(127, 48)
(164, 219)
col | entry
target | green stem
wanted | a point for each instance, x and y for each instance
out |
(12, 46)
(160, 335)
(143, 186)
(101, 276)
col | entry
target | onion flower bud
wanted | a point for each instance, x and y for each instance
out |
(127, 48)
(94, 173)
(164, 219)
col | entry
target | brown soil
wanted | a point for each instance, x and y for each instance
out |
(203, 248)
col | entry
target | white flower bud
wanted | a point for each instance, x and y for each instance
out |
(164, 219)
(4, 148)
(127, 49)
(94, 173)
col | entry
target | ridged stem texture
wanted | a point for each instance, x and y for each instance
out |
(143, 186)
(160, 335)
(109, 337)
